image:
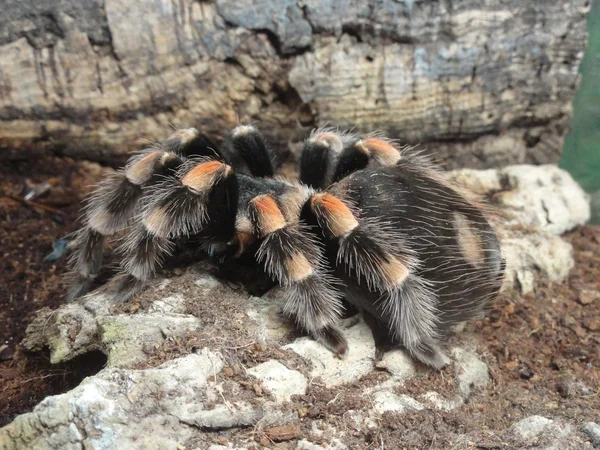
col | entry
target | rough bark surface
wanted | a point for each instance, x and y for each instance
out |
(481, 83)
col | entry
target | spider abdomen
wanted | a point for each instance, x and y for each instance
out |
(453, 255)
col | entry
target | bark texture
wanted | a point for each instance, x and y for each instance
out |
(480, 83)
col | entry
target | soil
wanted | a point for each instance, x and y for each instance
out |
(542, 349)
(543, 354)
(29, 282)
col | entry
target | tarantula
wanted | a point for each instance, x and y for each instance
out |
(369, 223)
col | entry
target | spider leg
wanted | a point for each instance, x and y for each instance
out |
(247, 149)
(110, 210)
(85, 261)
(382, 151)
(362, 152)
(329, 156)
(320, 156)
(293, 258)
(314, 162)
(115, 202)
(354, 157)
(190, 142)
(201, 199)
(250, 144)
(373, 253)
(381, 335)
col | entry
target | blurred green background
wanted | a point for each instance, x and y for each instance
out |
(581, 155)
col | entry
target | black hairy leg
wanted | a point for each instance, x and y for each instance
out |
(354, 157)
(329, 156)
(116, 201)
(376, 258)
(247, 143)
(294, 259)
(314, 162)
(360, 153)
(201, 200)
(110, 210)
(190, 143)
(320, 156)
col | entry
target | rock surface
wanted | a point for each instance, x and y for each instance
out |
(537, 204)
(483, 84)
(279, 380)
(544, 197)
(592, 429)
(182, 366)
(545, 433)
(531, 427)
(332, 370)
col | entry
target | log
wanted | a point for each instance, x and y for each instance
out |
(478, 83)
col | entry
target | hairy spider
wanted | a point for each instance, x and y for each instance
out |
(368, 223)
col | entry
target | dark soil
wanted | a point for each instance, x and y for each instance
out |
(542, 349)
(29, 282)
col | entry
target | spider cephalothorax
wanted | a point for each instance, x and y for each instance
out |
(368, 223)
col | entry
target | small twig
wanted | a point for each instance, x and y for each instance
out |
(240, 347)
(43, 377)
(225, 402)
(333, 399)
(34, 204)
(433, 441)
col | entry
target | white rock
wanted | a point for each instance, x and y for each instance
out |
(331, 369)
(371, 424)
(561, 434)
(315, 431)
(120, 408)
(531, 427)
(398, 363)
(438, 402)
(388, 401)
(171, 304)
(337, 444)
(68, 332)
(471, 373)
(125, 337)
(592, 429)
(232, 414)
(354, 419)
(547, 434)
(266, 313)
(481, 182)
(281, 381)
(545, 197)
(528, 256)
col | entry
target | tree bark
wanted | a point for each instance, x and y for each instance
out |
(479, 83)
